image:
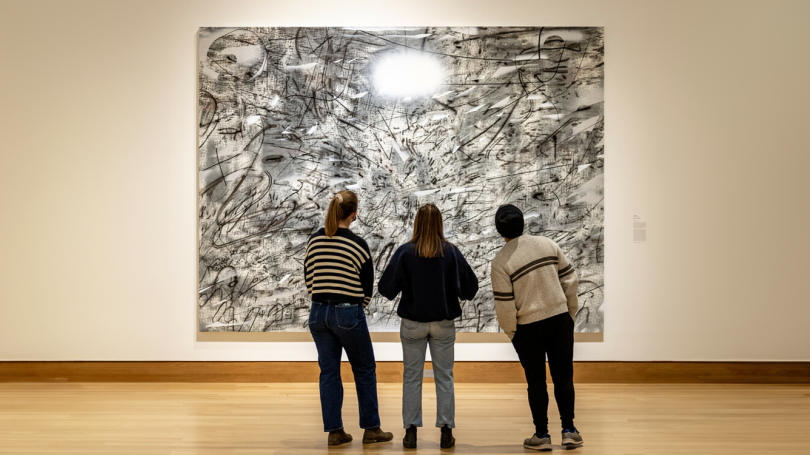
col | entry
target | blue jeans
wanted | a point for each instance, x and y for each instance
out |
(335, 327)
(416, 336)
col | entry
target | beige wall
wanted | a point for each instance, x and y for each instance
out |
(707, 112)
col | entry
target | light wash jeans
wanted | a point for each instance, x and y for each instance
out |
(415, 338)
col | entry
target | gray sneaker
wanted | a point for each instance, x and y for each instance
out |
(571, 439)
(541, 443)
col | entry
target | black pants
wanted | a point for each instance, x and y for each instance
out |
(553, 336)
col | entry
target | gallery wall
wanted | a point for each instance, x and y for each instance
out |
(706, 141)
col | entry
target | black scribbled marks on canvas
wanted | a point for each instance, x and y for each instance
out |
(289, 116)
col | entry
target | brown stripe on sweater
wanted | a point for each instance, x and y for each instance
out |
(516, 272)
(572, 270)
(534, 267)
(503, 294)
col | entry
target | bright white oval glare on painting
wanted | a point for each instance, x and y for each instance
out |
(408, 74)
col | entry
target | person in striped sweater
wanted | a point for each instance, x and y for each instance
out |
(535, 291)
(339, 275)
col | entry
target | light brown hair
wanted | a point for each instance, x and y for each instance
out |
(428, 232)
(340, 207)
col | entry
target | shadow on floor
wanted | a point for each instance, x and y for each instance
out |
(309, 446)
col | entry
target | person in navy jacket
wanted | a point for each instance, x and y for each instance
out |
(433, 277)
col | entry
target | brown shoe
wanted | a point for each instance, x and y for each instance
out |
(372, 435)
(339, 437)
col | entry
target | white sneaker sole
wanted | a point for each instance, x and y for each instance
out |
(571, 444)
(541, 448)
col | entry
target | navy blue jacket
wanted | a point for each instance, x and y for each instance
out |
(431, 287)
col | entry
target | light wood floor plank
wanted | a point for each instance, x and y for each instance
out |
(173, 418)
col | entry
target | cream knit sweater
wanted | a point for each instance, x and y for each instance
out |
(532, 280)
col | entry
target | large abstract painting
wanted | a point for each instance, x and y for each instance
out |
(467, 118)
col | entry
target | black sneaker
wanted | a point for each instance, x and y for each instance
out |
(571, 439)
(536, 442)
(409, 441)
(447, 438)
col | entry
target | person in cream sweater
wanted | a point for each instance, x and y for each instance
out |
(535, 291)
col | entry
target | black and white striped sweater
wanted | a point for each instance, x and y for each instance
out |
(339, 269)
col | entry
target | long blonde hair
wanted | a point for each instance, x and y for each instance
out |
(340, 207)
(428, 232)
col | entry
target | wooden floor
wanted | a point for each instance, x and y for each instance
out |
(166, 418)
